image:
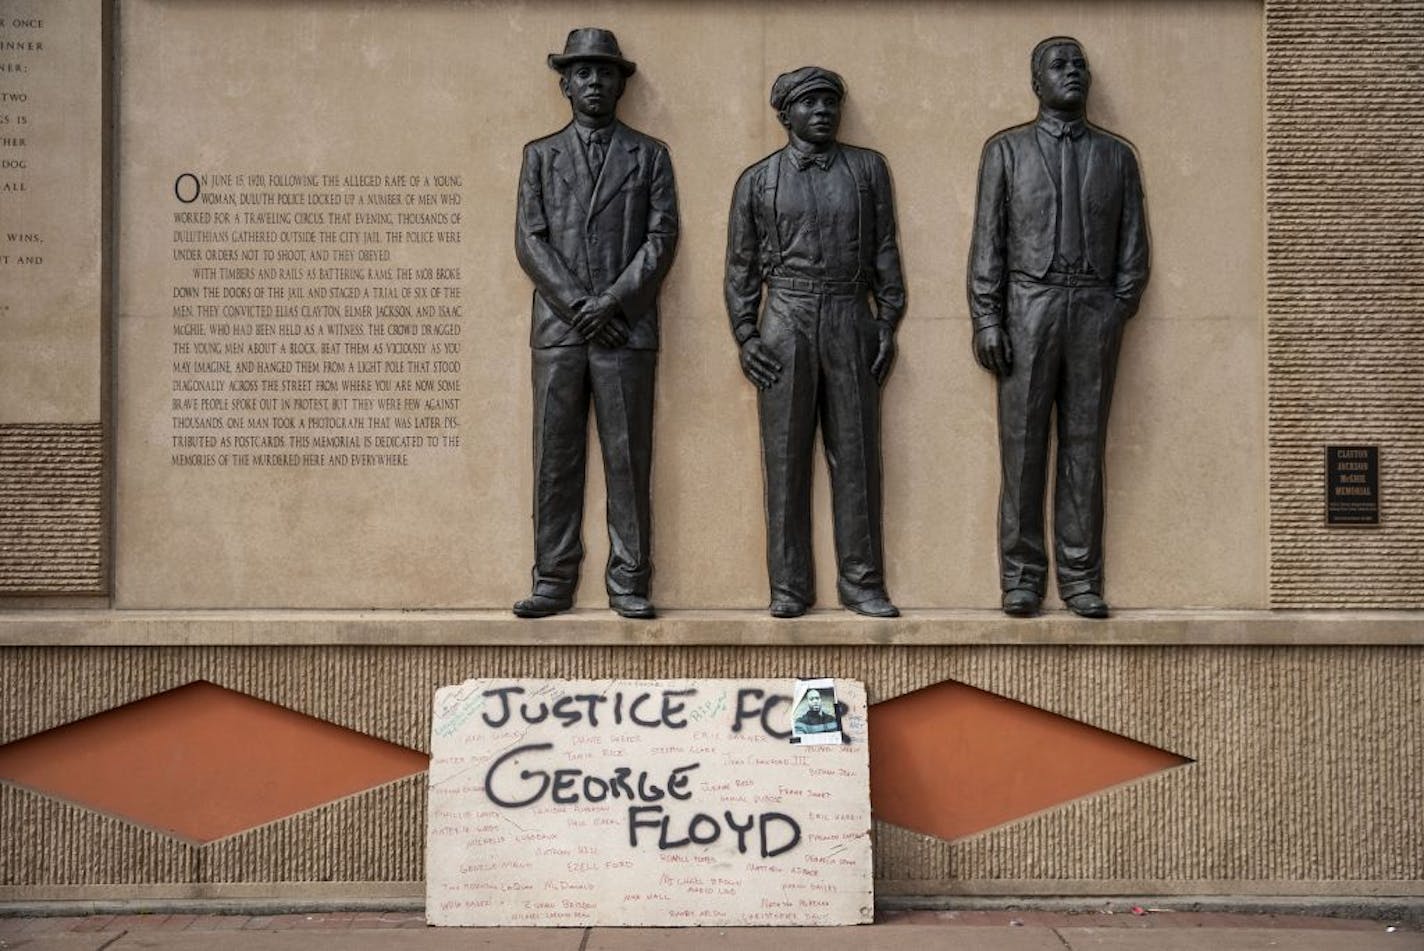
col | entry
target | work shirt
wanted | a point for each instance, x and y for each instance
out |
(834, 221)
(817, 216)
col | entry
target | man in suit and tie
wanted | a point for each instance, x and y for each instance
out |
(595, 230)
(1057, 265)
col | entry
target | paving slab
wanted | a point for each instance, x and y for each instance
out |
(220, 923)
(53, 942)
(143, 922)
(1238, 939)
(866, 938)
(405, 919)
(1147, 920)
(404, 939)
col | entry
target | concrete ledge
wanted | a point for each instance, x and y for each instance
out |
(983, 894)
(1326, 905)
(76, 628)
(1200, 894)
(213, 898)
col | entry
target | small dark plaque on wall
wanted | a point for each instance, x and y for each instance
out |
(1352, 485)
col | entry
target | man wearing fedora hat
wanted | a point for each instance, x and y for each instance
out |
(814, 225)
(595, 230)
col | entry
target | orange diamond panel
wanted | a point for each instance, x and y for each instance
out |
(952, 760)
(202, 762)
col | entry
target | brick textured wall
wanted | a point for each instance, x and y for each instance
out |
(1285, 742)
(51, 508)
(1345, 293)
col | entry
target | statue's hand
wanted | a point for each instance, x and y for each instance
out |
(992, 350)
(595, 312)
(885, 356)
(758, 363)
(612, 334)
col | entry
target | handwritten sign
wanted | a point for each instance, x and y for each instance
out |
(616, 802)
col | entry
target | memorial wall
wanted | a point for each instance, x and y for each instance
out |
(52, 298)
(266, 458)
(52, 183)
(323, 395)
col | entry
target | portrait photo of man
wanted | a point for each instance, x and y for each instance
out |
(814, 716)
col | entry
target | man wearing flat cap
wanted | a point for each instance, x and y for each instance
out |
(810, 245)
(1057, 265)
(595, 231)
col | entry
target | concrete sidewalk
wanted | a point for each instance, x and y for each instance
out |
(893, 931)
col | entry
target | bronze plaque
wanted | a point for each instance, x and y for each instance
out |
(1352, 485)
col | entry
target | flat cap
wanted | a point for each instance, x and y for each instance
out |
(800, 82)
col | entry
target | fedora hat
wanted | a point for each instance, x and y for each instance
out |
(590, 43)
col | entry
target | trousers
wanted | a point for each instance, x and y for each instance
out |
(1065, 344)
(825, 342)
(619, 383)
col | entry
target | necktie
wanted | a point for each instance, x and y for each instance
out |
(597, 148)
(1070, 216)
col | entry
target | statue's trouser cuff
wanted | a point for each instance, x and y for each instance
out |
(1065, 344)
(825, 343)
(619, 384)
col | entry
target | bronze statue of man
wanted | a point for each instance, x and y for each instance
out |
(595, 230)
(814, 225)
(1058, 263)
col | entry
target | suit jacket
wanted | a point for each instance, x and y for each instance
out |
(577, 238)
(1016, 218)
(754, 248)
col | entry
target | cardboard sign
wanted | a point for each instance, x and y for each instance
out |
(616, 802)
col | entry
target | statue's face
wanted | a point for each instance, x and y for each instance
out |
(815, 117)
(593, 88)
(1062, 81)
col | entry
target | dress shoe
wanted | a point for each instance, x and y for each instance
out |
(1022, 602)
(875, 607)
(632, 605)
(787, 607)
(541, 605)
(1087, 604)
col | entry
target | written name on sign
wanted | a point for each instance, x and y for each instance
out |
(511, 783)
(685, 787)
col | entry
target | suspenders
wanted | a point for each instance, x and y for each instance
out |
(765, 211)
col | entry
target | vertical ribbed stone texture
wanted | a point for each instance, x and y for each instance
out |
(1345, 292)
(51, 508)
(53, 842)
(1307, 760)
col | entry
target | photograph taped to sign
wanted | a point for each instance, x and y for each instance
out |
(617, 802)
(815, 717)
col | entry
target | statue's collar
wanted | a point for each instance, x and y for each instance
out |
(1074, 128)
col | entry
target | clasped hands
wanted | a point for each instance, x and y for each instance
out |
(600, 320)
(760, 365)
